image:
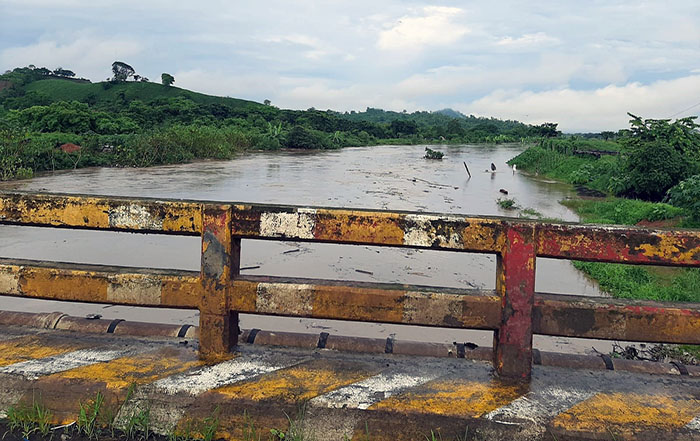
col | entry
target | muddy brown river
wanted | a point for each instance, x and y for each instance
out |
(381, 177)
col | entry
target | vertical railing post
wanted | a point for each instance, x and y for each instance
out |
(515, 283)
(218, 326)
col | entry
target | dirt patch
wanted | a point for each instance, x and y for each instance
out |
(665, 223)
(4, 84)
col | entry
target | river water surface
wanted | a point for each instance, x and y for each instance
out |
(383, 177)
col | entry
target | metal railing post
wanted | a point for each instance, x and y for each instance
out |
(218, 326)
(515, 283)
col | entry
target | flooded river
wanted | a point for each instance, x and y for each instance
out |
(385, 177)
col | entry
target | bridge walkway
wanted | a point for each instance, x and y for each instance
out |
(334, 395)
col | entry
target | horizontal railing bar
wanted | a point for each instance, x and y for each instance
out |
(616, 319)
(619, 244)
(100, 284)
(362, 302)
(101, 213)
(553, 314)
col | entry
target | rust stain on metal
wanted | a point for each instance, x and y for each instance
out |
(620, 244)
(181, 291)
(576, 316)
(358, 226)
(100, 212)
(59, 284)
(358, 303)
(513, 342)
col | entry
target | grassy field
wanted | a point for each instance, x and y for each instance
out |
(633, 281)
(62, 90)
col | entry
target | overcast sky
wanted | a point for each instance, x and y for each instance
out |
(583, 64)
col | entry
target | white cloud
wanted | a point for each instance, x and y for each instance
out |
(435, 27)
(86, 55)
(591, 110)
(256, 87)
(528, 40)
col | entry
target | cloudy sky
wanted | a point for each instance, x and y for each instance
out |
(583, 64)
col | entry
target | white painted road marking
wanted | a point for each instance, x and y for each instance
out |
(538, 407)
(241, 368)
(694, 424)
(364, 393)
(33, 369)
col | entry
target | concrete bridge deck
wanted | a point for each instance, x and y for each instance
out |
(333, 395)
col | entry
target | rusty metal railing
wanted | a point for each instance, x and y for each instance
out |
(513, 310)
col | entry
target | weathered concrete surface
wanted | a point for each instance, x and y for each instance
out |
(332, 395)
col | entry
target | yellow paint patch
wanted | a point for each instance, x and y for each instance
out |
(628, 413)
(33, 347)
(299, 383)
(454, 398)
(181, 291)
(143, 368)
(358, 304)
(670, 249)
(51, 283)
(483, 235)
(358, 226)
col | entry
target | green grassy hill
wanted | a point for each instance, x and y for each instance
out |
(103, 93)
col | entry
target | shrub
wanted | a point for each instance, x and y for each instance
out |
(686, 194)
(433, 154)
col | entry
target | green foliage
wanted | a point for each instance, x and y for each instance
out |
(433, 154)
(29, 419)
(166, 79)
(686, 194)
(88, 417)
(507, 203)
(636, 282)
(122, 71)
(620, 211)
(660, 154)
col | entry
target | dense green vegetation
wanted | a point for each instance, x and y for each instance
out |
(654, 161)
(649, 161)
(129, 121)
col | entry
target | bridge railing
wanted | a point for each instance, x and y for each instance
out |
(514, 311)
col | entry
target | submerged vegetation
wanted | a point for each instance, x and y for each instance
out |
(131, 122)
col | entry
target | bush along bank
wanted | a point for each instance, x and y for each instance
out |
(656, 192)
(649, 175)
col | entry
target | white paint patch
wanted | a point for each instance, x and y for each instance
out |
(135, 217)
(694, 424)
(275, 297)
(539, 407)
(367, 392)
(9, 280)
(239, 369)
(33, 369)
(293, 225)
(421, 231)
(134, 289)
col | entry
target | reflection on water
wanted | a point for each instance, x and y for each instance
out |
(386, 177)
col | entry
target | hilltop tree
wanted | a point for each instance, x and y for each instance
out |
(61, 72)
(122, 71)
(167, 79)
